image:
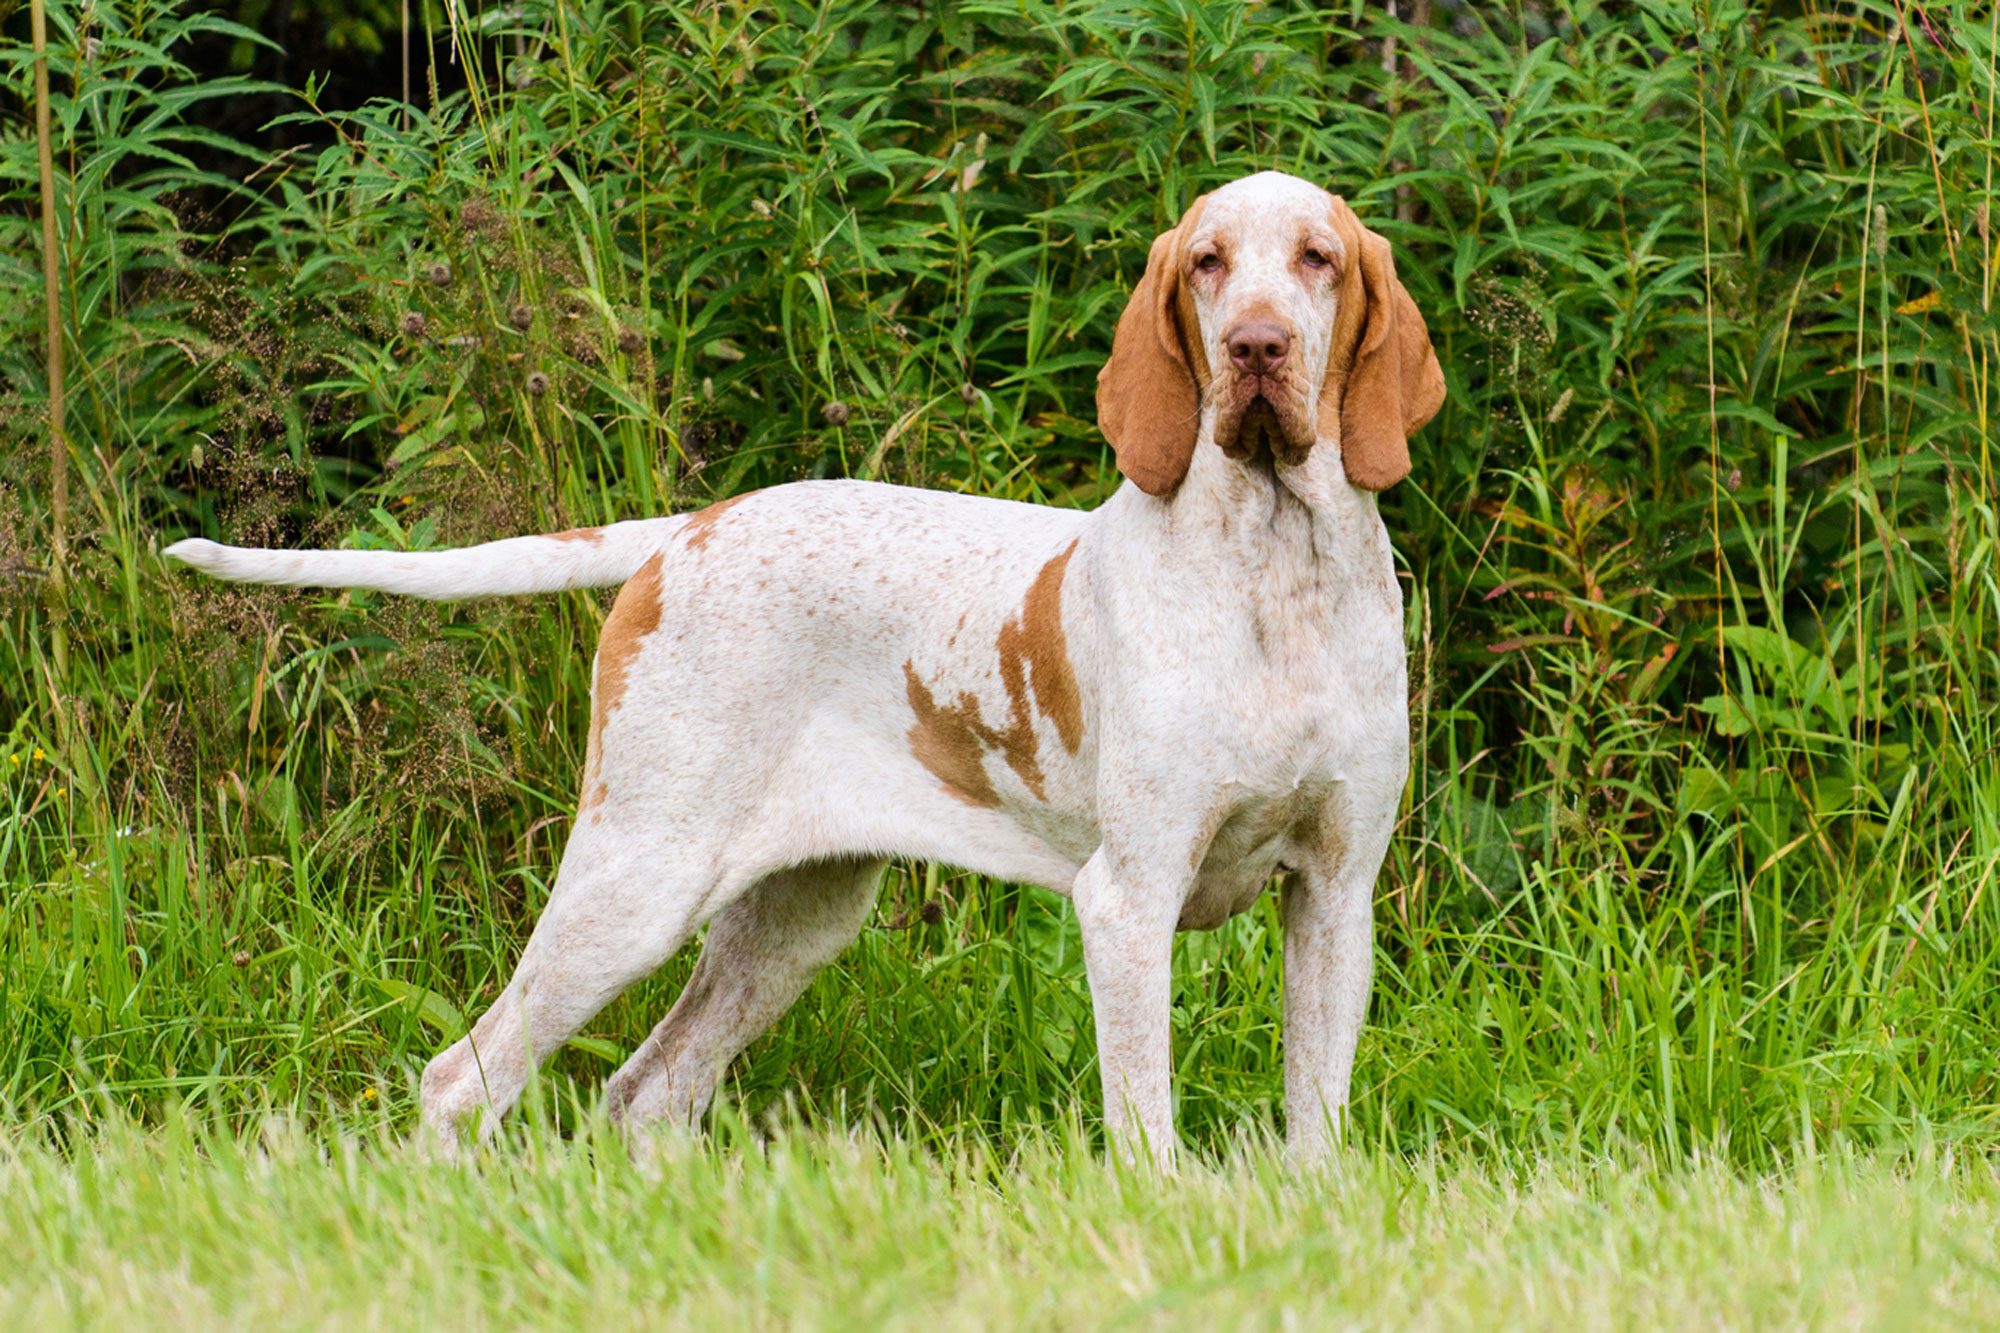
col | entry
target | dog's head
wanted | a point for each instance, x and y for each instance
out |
(1271, 305)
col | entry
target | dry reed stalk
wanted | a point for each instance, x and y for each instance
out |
(52, 301)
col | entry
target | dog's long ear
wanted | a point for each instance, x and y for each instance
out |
(1383, 381)
(1149, 392)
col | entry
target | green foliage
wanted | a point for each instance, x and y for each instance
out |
(1699, 556)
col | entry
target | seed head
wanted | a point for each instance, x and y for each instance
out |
(241, 958)
(538, 383)
(629, 340)
(414, 323)
(439, 273)
(1881, 240)
(931, 912)
(967, 394)
(520, 317)
(836, 413)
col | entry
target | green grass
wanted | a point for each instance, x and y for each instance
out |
(1695, 885)
(185, 1227)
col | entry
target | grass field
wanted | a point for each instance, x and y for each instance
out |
(1685, 1004)
(177, 1227)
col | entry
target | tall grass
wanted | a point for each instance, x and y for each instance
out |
(1699, 559)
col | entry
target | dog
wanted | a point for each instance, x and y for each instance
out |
(1151, 708)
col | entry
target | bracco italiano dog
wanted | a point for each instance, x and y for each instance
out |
(1150, 708)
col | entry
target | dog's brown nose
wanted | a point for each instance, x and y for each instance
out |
(1258, 346)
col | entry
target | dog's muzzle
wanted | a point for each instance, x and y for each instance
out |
(1264, 414)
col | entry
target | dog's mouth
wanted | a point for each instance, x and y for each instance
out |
(1262, 415)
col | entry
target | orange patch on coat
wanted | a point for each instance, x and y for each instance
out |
(1035, 654)
(633, 616)
(700, 525)
(591, 535)
(951, 740)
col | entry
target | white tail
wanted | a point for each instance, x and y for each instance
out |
(587, 558)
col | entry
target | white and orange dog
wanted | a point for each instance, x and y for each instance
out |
(1150, 708)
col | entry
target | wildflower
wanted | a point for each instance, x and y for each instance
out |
(39, 755)
(477, 215)
(414, 323)
(14, 759)
(241, 958)
(368, 1094)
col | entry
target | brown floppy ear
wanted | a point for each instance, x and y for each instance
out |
(1383, 381)
(1149, 392)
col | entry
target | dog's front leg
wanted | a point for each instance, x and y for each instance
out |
(1329, 920)
(1127, 916)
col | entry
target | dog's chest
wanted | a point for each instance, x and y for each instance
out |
(1309, 665)
(1311, 699)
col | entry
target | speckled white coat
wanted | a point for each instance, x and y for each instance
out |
(1207, 687)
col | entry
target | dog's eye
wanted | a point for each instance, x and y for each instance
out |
(1208, 263)
(1314, 259)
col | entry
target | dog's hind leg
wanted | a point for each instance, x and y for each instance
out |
(620, 908)
(761, 953)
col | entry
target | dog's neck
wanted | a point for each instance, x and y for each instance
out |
(1259, 511)
(1295, 553)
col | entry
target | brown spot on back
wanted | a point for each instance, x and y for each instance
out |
(591, 535)
(633, 616)
(1036, 641)
(949, 740)
(700, 525)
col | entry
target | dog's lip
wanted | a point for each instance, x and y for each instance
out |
(1250, 388)
(1264, 399)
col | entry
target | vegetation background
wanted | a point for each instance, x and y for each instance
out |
(1699, 853)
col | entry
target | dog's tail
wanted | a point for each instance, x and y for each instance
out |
(582, 558)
